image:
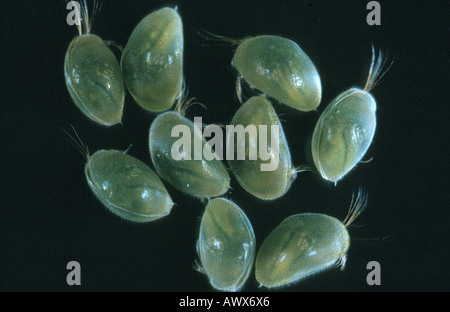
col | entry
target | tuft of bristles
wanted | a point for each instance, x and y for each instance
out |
(83, 21)
(209, 36)
(78, 143)
(183, 103)
(357, 206)
(378, 68)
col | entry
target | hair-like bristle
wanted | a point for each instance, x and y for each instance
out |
(378, 68)
(183, 103)
(209, 36)
(78, 143)
(84, 21)
(357, 206)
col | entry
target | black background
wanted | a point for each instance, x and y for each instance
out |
(49, 216)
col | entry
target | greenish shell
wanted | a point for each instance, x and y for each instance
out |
(94, 79)
(152, 61)
(226, 245)
(280, 68)
(262, 184)
(343, 133)
(197, 177)
(301, 245)
(127, 187)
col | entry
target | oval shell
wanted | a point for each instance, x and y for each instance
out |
(343, 133)
(152, 61)
(262, 184)
(199, 178)
(94, 79)
(301, 245)
(281, 69)
(226, 245)
(127, 187)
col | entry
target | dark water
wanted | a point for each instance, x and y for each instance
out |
(49, 215)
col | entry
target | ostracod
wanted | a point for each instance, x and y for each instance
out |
(261, 160)
(93, 75)
(226, 245)
(126, 186)
(152, 61)
(278, 67)
(345, 129)
(305, 244)
(196, 176)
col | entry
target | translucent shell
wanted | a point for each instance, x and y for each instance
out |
(152, 61)
(126, 186)
(262, 184)
(197, 177)
(94, 79)
(226, 245)
(343, 133)
(301, 245)
(278, 67)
